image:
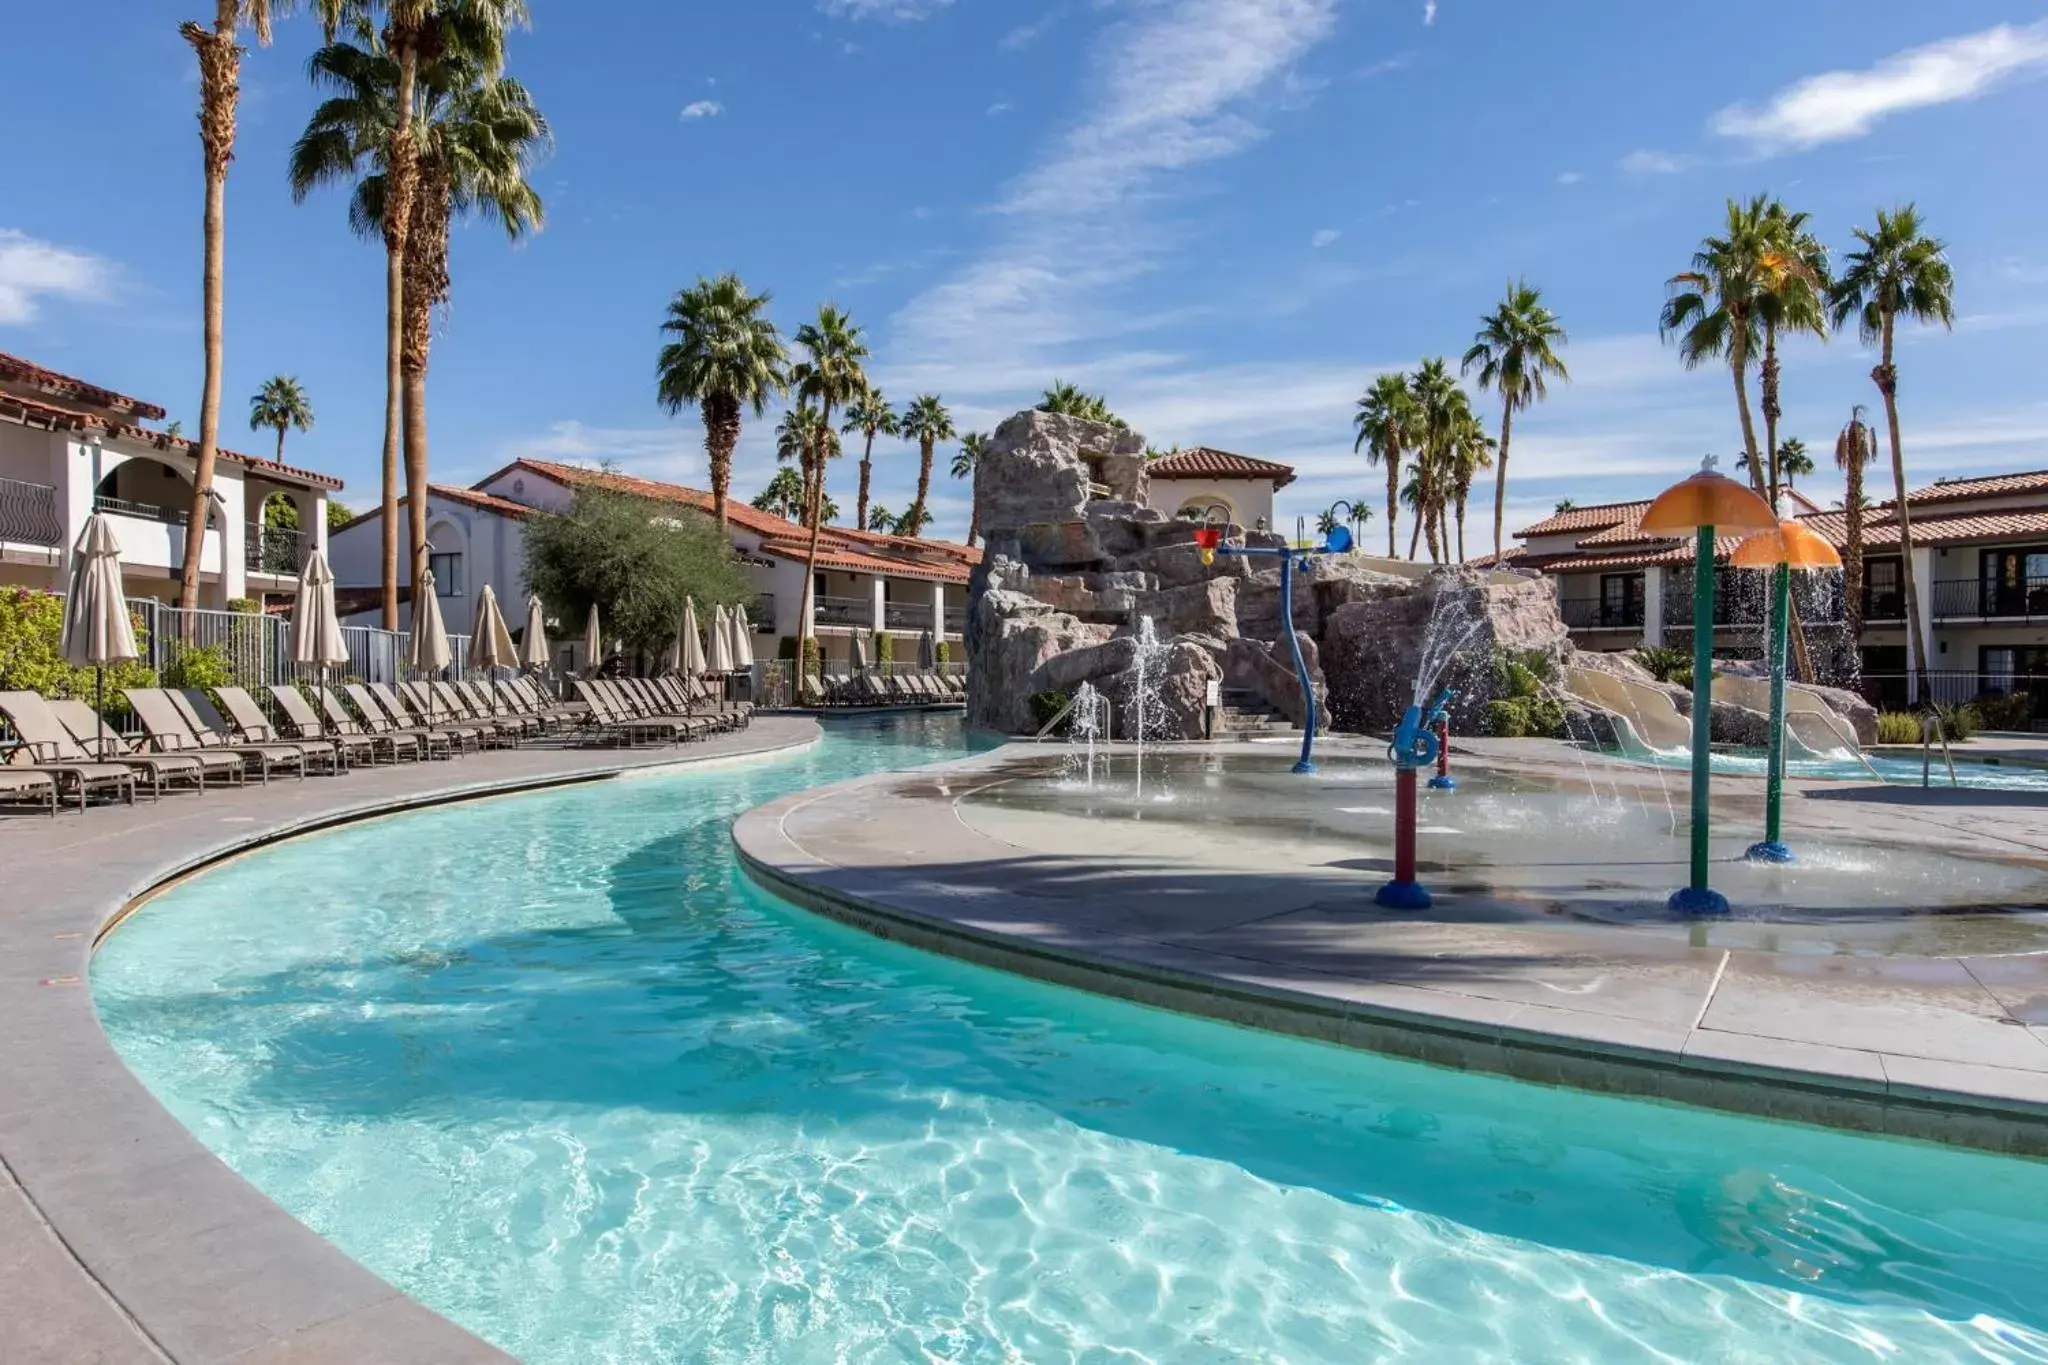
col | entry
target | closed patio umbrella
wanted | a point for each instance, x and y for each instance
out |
(860, 651)
(927, 652)
(691, 642)
(742, 641)
(721, 642)
(593, 643)
(533, 645)
(426, 648)
(316, 628)
(490, 645)
(96, 627)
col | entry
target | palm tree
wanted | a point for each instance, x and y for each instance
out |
(1471, 450)
(965, 462)
(1386, 421)
(1440, 407)
(1515, 349)
(1793, 461)
(1791, 297)
(784, 495)
(1563, 506)
(1854, 449)
(800, 437)
(1712, 308)
(1416, 494)
(926, 422)
(880, 520)
(220, 63)
(872, 416)
(727, 356)
(1896, 270)
(1069, 401)
(830, 375)
(279, 404)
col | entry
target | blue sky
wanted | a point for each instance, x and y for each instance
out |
(1225, 215)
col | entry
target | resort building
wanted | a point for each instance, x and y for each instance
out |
(866, 581)
(1980, 556)
(1207, 484)
(69, 448)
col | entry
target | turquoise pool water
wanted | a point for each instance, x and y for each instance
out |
(1901, 771)
(551, 1066)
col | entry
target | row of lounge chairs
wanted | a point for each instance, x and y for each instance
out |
(190, 738)
(889, 689)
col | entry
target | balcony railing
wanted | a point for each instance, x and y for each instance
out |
(1818, 601)
(272, 549)
(144, 511)
(1594, 613)
(907, 615)
(28, 513)
(1965, 598)
(844, 611)
(1955, 686)
(956, 620)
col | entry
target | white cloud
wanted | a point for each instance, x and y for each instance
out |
(703, 109)
(1428, 12)
(1383, 66)
(892, 11)
(1569, 177)
(32, 269)
(1024, 35)
(999, 108)
(1324, 237)
(1838, 105)
(1648, 161)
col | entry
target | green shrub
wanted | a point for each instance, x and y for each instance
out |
(1898, 727)
(885, 647)
(1506, 718)
(245, 606)
(945, 653)
(2014, 712)
(1666, 664)
(204, 666)
(1546, 717)
(32, 659)
(1958, 722)
(1047, 704)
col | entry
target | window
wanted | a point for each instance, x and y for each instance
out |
(1883, 599)
(446, 567)
(1621, 599)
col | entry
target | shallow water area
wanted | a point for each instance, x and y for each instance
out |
(553, 1067)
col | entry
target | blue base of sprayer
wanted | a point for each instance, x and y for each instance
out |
(1770, 851)
(1697, 900)
(1304, 766)
(1443, 782)
(1402, 896)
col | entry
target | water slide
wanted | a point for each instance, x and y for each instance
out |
(1812, 729)
(1646, 716)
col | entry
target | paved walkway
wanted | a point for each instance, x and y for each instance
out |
(1916, 1025)
(122, 1239)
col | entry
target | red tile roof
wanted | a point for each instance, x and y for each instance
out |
(838, 547)
(29, 413)
(468, 497)
(52, 417)
(14, 369)
(1598, 517)
(1989, 486)
(1206, 462)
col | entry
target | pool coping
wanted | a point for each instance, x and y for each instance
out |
(134, 1240)
(1733, 1072)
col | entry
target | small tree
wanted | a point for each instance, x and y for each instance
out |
(636, 559)
(339, 514)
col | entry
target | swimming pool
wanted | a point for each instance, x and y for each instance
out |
(1899, 771)
(553, 1067)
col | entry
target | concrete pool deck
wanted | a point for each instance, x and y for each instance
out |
(122, 1238)
(1936, 1042)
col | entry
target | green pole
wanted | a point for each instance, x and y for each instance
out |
(1773, 849)
(1698, 898)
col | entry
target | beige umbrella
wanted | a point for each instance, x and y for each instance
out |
(316, 628)
(721, 642)
(860, 651)
(742, 641)
(96, 627)
(691, 642)
(490, 644)
(533, 646)
(593, 643)
(427, 649)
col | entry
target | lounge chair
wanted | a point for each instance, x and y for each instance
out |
(400, 704)
(428, 709)
(505, 729)
(25, 785)
(50, 743)
(629, 719)
(680, 698)
(246, 719)
(60, 759)
(171, 724)
(84, 724)
(379, 720)
(487, 702)
(305, 723)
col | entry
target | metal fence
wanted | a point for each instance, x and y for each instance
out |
(257, 649)
(28, 513)
(2005, 700)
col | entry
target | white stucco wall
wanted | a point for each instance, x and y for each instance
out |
(1248, 499)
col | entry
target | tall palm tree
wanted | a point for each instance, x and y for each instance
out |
(1386, 421)
(1791, 297)
(1794, 463)
(803, 439)
(1515, 349)
(1854, 448)
(220, 64)
(1896, 271)
(784, 495)
(830, 375)
(1470, 451)
(1712, 308)
(871, 416)
(727, 356)
(1070, 401)
(1439, 407)
(1415, 492)
(414, 34)
(279, 404)
(880, 519)
(926, 422)
(965, 462)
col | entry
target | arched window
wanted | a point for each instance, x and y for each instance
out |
(1207, 508)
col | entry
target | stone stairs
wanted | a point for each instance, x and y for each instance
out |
(1246, 715)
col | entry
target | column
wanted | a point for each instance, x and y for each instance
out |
(1923, 582)
(316, 529)
(1653, 607)
(938, 613)
(233, 513)
(879, 597)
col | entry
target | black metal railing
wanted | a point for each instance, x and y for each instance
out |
(956, 620)
(273, 549)
(1594, 613)
(28, 513)
(2004, 700)
(143, 511)
(844, 611)
(1961, 598)
(907, 615)
(1746, 603)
